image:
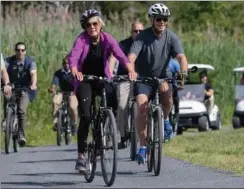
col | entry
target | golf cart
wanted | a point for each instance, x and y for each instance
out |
(192, 109)
(238, 116)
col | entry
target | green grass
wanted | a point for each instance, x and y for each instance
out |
(39, 136)
(217, 149)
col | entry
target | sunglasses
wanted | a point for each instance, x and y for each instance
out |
(95, 24)
(160, 19)
(20, 50)
(136, 31)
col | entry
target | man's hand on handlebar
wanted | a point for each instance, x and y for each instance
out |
(51, 91)
(7, 89)
(182, 77)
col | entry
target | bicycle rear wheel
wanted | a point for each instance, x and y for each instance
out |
(109, 142)
(67, 136)
(133, 133)
(59, 128)
(157, 140)
(8, 130)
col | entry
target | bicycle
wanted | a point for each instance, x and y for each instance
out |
(130, 130)
(155, 128)
(11, 120)
(63, 124)
(174, 114)
(103, 136)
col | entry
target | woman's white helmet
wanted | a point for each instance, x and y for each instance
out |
(158, 9)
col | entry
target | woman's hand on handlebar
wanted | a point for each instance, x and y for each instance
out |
(76, 74)
(132, 75)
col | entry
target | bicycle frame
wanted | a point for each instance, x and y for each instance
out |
(12, 104)
(98, 145)
(64, 109)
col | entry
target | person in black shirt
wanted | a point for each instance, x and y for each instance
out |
(242, 80)
(209, 91)
(63, 78)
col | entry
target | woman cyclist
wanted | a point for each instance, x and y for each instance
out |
(90, 55)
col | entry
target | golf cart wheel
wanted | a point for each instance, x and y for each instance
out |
(217, 125)
(236, 122)
(179, 130)
(203, 124)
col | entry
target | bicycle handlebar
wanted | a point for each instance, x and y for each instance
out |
(96, 78)
(16, 88)
(143, 79)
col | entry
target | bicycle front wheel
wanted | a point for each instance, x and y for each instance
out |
(157, 140)
(68, 137)
(59, 128)
(109, 142)
(8, 130)
(92, 156)
(133, 134)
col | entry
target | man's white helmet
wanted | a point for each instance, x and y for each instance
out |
(158, 9)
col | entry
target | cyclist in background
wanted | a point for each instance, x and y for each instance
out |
(209, 91)
(5, 78)
(174, 67)
(153, 48)
(63, 78)
(242, 80)
(89, 56)
(124, 89)
(22, 71)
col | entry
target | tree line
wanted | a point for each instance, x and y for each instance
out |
(186, 16)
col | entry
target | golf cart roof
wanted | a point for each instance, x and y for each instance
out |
(201, 67)
(239, 69)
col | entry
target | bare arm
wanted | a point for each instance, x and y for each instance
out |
(183, 62)
(33, 77)
(5, 76)
(132, 59)
(52, 88)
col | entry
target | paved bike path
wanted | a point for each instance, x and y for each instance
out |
(54, 167)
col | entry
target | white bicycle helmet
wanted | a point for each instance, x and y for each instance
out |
(88, 14)
(158, 9)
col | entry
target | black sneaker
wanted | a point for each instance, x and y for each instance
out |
(55, 127)
(73, 130)
(22, 140)
(80, 165)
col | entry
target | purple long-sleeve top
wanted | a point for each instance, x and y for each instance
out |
(80, 50)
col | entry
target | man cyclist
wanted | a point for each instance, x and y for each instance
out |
(153, 49)
(124, 89)
(5, 78)
(22, 72)
(63, 78)
(5, 83)
(209, 91)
